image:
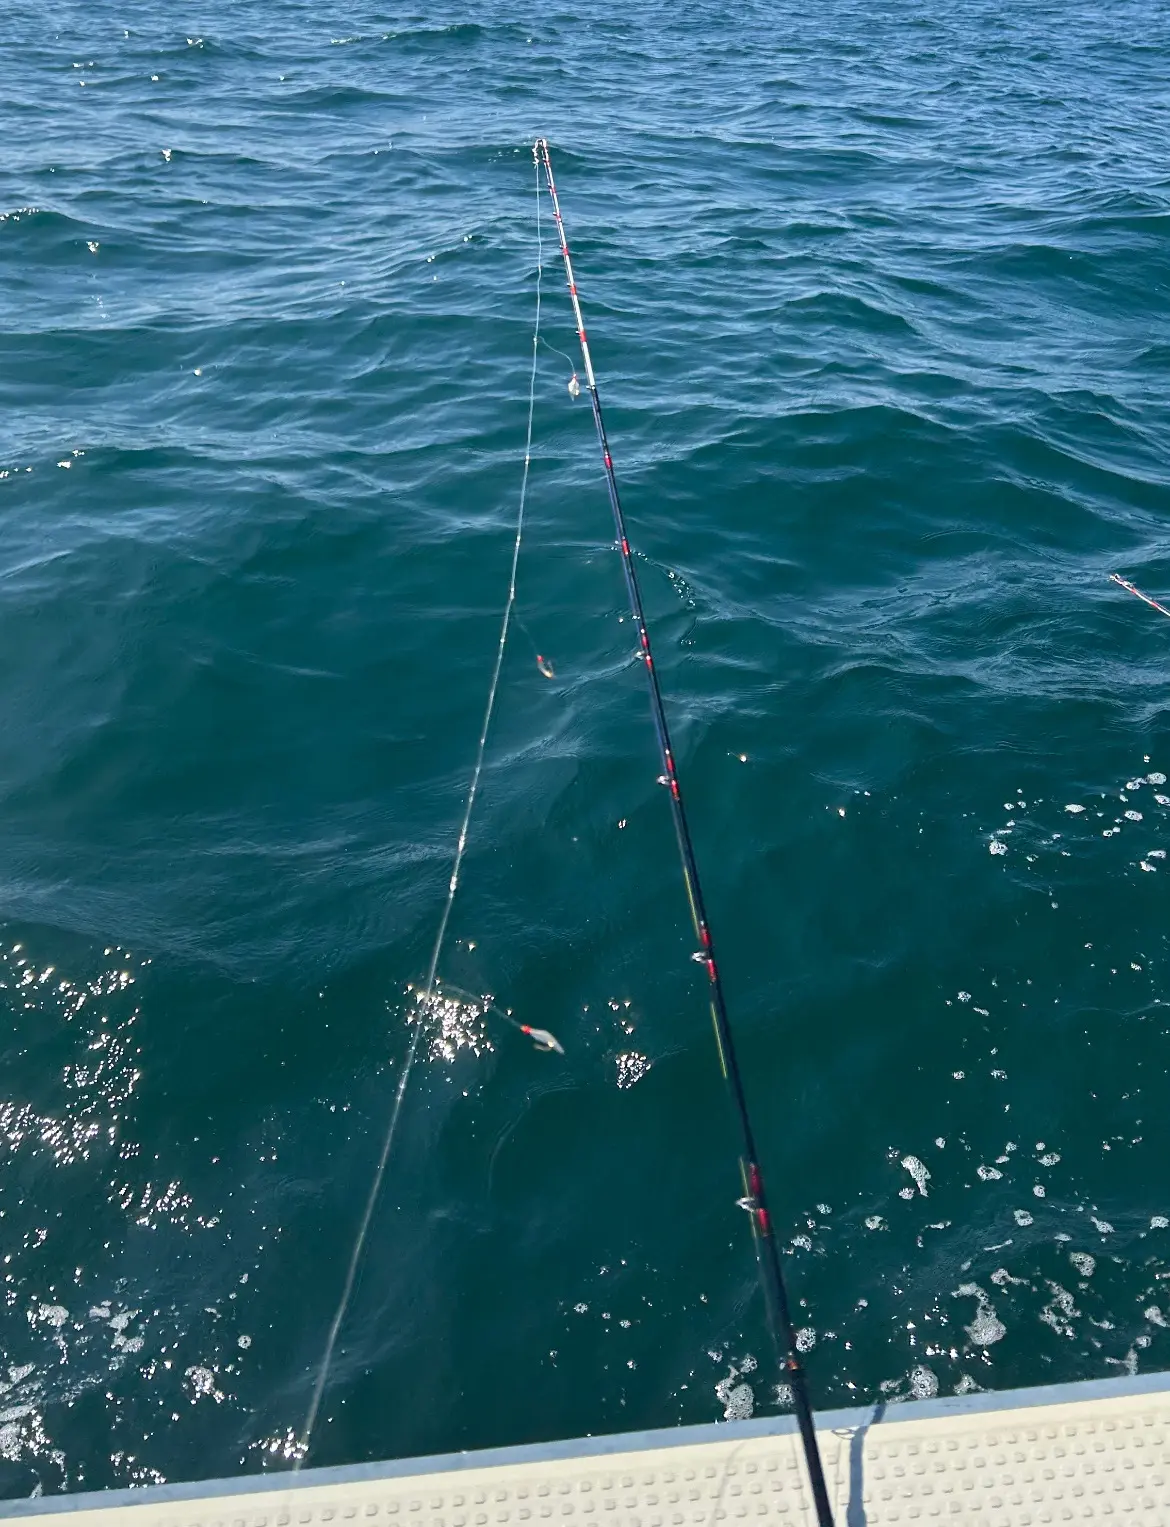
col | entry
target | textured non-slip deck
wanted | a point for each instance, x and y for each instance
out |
(1094, 1452)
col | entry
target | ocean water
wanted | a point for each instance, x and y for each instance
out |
(878, 301)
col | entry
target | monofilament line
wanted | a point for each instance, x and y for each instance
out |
(338, 1321)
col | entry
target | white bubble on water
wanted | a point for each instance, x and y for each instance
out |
(875, 1221)
(1159, 1222)
(989, 1173)
(1130, 1361)
(1102, 1225)
(1022, 1217)
(455, 1022)
(996, 847)
(1001, 1277)
(806, 1339)
(1062, 1310)
(918, 1171)
(1083, 1262)
(22, 1433)
(202, 1381)
(986, 1328)
(1133, 816)
(738, 1400)
(286, 1445)
(923, 1383)
(1155, 779)
(631, 1068)
(1154, 1315)
(1074, 809)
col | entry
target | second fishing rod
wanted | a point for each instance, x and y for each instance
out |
(755, 1199)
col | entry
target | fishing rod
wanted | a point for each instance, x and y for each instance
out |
(754, 1200)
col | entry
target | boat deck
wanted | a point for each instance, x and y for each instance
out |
(1091, 1452)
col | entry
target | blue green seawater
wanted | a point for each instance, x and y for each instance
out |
(879, 303)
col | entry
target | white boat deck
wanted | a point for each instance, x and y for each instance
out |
(1091, 1452)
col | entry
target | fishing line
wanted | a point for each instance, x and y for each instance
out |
(754, 1200)
(564, 357)
(1145, 598)
(542, 662)
(538, 1036)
